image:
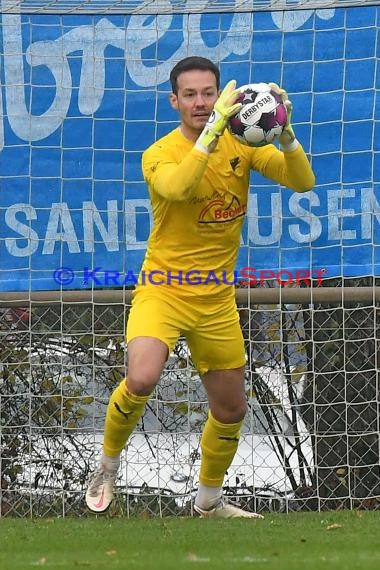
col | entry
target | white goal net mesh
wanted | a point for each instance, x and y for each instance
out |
(84, 89)
(168, 6)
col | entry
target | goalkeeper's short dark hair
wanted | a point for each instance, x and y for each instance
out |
(190, 63)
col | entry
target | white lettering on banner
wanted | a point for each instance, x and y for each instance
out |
(60, 228)
(133, 209)
(24, 231)
(291, 20)
(368, 210)
(335, 204)
(92, 219)
(306, 216)
(254, 235)
(370, 207)
(92, 40)
(73, 232)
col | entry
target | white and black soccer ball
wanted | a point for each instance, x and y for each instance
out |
(262, 117)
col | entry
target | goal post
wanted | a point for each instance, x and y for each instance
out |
(84, 90)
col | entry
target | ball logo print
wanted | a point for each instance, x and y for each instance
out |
(262, 117)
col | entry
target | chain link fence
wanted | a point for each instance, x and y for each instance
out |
(310, 438)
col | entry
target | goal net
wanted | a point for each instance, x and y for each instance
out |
(84, 90)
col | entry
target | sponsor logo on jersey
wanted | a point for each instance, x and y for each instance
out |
(217, 211)
(234, 162)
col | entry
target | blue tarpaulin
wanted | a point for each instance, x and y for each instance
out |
(82, 96)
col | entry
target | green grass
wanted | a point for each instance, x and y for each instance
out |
(312, 541)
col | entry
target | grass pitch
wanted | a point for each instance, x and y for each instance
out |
(312, 541)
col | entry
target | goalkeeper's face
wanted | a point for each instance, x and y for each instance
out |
(196, 95)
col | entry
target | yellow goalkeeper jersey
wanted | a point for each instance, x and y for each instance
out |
(199, 202)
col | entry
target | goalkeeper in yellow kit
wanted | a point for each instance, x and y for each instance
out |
(198, 180)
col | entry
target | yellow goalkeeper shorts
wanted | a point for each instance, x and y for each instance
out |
(211, 327)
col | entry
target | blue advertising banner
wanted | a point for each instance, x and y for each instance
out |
(82, 96)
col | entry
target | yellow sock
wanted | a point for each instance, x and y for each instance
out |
(219, 443)
(123, 412)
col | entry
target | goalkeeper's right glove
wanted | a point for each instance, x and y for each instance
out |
(224, 108)
(287, 136)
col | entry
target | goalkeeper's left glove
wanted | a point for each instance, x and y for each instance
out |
(287, 136)
(224, 108)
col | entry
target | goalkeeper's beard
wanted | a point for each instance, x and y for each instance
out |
(192, 132)
(200, 124)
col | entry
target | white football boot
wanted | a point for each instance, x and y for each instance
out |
(224, 510)
(99, 493)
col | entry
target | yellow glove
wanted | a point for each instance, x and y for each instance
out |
(287, 136)
(224, 108)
